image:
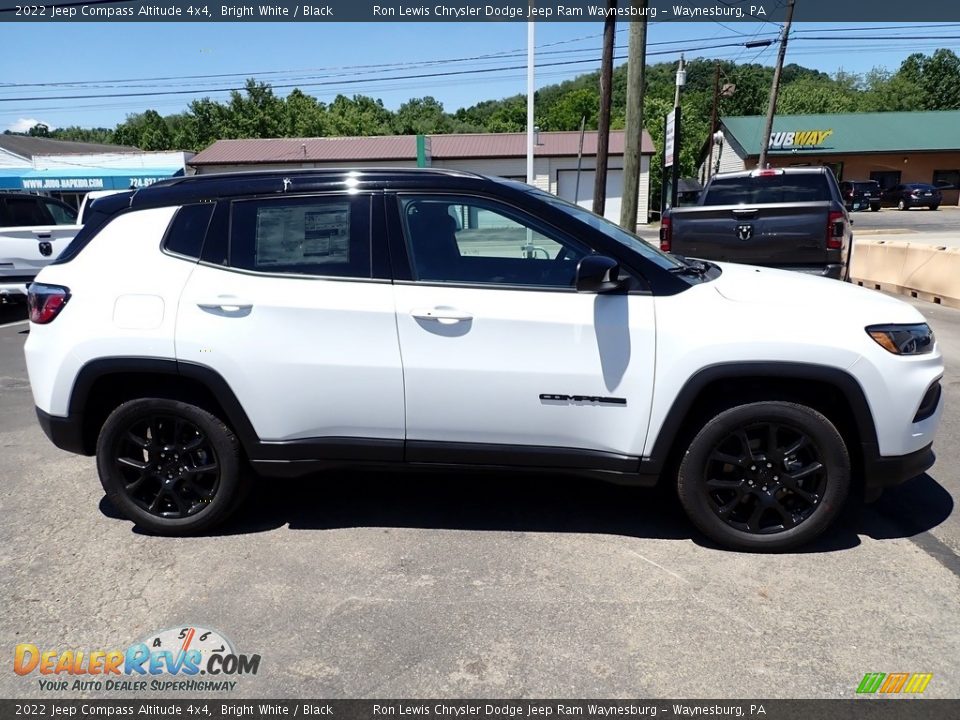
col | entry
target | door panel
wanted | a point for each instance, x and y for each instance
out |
(307, 357)
(499, 349)
(478, 372)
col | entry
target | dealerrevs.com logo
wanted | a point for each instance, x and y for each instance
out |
(170, 660)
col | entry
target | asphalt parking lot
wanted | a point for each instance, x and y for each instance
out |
(366, 585)
(917, 220)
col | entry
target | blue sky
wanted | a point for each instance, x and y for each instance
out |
(298, 53)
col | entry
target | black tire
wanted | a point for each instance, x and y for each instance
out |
(739, 505)
(934, 207)
(874, 208)
(170, 467)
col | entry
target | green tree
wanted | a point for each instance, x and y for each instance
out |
(39, 130)
(570, 108)
(359, 115)
(816, 96)
(421, 116)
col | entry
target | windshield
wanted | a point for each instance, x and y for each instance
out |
(611, 230)
(764, 189)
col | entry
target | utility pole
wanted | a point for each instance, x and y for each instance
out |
(606, 99)
(713, 118)
(775, 88)
(636, 68)
(681, 79)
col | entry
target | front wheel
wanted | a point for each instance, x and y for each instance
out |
(874, 208)
(765, 476)
(934, 207)
(902, 205)
(170, 467)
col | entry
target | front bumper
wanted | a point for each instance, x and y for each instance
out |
(64, 432)
(881, 472)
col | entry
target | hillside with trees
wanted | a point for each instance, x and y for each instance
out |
(922, 82)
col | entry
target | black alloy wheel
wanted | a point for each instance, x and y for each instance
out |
(171, 467)
(168, 466)
(765, 478)
(768, 475)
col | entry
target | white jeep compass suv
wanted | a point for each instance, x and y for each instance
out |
(293, 321)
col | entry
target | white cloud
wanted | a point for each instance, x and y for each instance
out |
(24, 124)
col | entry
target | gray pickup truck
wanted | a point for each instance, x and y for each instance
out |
(789, 218)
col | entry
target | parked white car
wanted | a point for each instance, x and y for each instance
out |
(33, 231)
(296, 321)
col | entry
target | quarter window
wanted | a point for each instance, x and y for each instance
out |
(474, 240)
(328, 236)
(189, 226)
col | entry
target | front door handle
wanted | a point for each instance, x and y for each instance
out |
(225, 303)
(443, 315)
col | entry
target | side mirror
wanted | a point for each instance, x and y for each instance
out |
(598, 274)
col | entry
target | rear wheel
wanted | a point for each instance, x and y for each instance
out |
(875, 208)
(765, 476)
(170, 467)
(934, 207)
(902, 205)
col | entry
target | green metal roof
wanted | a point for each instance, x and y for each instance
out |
(849, 132)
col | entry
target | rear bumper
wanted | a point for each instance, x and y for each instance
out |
(13, 290)
(885, 471)
(832, 270)
(64, 432)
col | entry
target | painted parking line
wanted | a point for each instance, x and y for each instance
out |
(14, 324)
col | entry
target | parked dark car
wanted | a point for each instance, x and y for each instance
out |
(790, 218)
(911, 195)
(861, 194)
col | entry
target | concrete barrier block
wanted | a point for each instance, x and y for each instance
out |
(934, 272)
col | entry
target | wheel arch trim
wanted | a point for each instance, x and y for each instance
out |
(692, 389)
(97, 369)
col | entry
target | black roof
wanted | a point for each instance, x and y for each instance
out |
(198, 188)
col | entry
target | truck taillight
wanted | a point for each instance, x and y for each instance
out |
(666, 235)
(46, 301)
(835, 228)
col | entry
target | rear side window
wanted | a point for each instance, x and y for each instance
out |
(322, 235)
(62, 214)
(802, 187)
(25, 211)
(186, 232)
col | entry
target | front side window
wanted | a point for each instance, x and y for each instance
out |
(475, 240)
(321, 235)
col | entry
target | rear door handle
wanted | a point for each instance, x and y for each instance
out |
(443, 315)
(225, 303)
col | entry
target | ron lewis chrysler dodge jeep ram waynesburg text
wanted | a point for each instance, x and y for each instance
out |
(287, 323)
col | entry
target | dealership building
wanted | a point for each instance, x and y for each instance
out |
(68, 170)
(889, 147)
(556, 158)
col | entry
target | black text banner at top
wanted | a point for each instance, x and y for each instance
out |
(725, 11)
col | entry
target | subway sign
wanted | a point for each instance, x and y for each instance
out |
(798, 139)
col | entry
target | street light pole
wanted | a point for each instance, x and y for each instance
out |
(531, 45)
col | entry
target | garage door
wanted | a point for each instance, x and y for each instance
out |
(567, 187)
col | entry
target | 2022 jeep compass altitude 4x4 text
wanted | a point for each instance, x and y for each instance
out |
(290, 322)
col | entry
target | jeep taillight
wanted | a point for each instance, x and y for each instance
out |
(666, 235)
(835, 229)
(46, 301)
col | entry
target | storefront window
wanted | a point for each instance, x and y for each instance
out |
(946, 178)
